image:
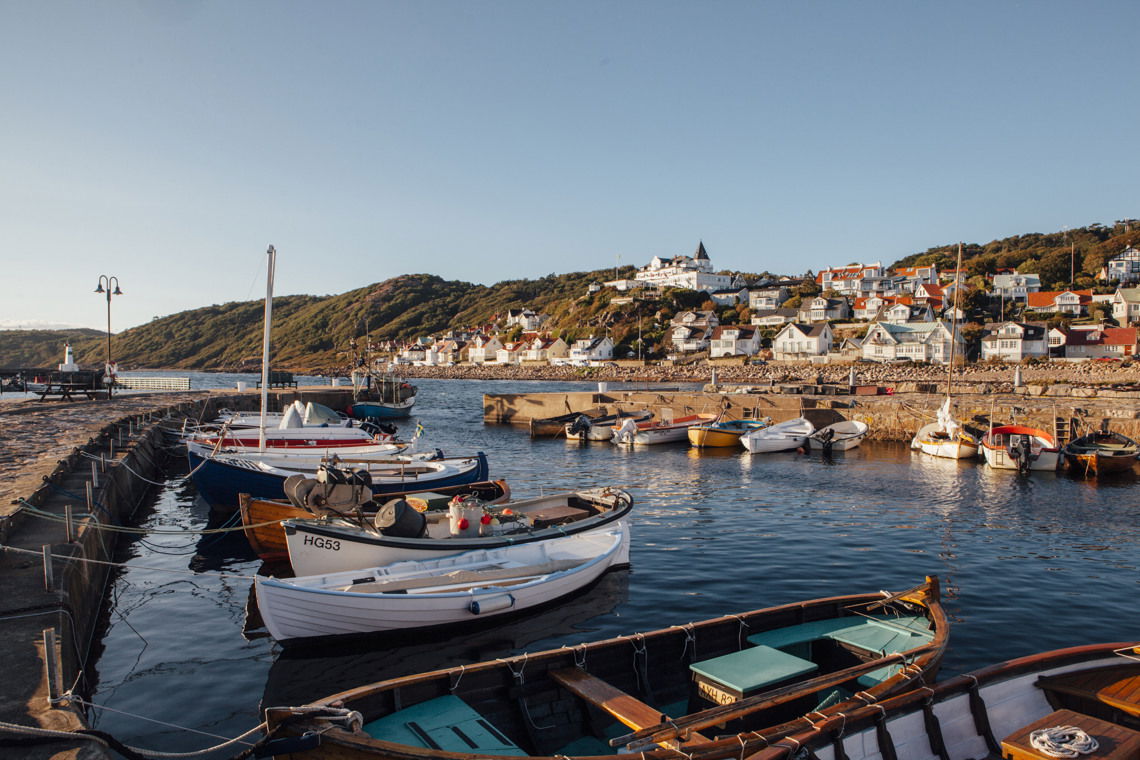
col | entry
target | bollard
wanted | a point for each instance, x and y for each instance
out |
(49, 581)
(51, 667)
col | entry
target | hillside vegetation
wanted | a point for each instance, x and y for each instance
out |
(313, 333)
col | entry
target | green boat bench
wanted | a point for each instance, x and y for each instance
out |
(444, 723)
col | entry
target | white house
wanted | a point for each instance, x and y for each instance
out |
(544, 349)
(1016, 287)
(512, 353)
(911, 277)
(484, 349)
(1123, 268)
(854, 279)
(624, 285)
(1073, 302)
(734, 340)
(527, 319)
(730, 296)
(691, 272)
(768, 298)
(774, 317)
(917, 341)
(900, 313)
(1014, 341)
(692, 330)
(1126, 306)
(821, 309)
(800, 341)
(592, 349)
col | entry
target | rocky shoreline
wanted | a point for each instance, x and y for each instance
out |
(1094, 373)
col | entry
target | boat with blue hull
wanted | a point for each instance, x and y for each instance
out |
(384, 410)
(221, 477)
(382, 397)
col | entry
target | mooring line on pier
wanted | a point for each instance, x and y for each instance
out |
(88, 560)
(35, 511)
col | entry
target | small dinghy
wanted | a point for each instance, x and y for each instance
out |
(1068, 703)
(399, 532)
(725, 433)
(840, 436)
(783, 436)
(1102, 452)
(436, 592)
(717, 689)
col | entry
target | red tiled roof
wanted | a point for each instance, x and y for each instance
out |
(1046, 298)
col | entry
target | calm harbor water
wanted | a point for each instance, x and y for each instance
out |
(1029, 563)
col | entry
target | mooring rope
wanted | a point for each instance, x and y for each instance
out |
(37, 512)
(1063, 741)
(67, 557)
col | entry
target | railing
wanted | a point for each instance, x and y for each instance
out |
(153, 383)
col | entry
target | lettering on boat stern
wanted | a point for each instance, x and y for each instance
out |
(332, 544)
(713, 694)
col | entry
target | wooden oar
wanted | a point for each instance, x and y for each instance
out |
(721, 713)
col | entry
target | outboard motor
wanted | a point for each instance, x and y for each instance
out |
(400, 519)
(336, 476)
(826, 440)
(581, 424)
(626, 433)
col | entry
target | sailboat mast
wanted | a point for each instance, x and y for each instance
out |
(954, 324)
(272, 252)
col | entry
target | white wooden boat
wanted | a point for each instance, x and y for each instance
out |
(992, 712)
(1021, 448)
(660, 431)
(318, 546)
(782, 436)
(945, 438)
(426, 593)
(840, 436)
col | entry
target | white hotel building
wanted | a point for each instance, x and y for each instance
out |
(691, 272)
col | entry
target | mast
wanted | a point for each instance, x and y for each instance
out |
(954, 324)
(272, 253)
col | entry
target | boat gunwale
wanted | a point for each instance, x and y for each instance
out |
(928, 659)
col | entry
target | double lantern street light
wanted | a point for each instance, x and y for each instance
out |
(105, 284)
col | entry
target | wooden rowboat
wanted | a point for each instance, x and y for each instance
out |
(715, 690)
(1101, 453)
(992, 712)
(261, 518)
(725, 433)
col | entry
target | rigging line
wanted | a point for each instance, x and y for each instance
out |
(128, 565)
(241, 738)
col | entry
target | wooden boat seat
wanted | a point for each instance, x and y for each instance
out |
(734, 676)
(627, 709)
(1117, 686)
(502, 574)
(545, 516)
(444, 723)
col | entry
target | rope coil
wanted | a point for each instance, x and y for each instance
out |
(1063, 741)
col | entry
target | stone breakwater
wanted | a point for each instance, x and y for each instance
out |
(1093, 373)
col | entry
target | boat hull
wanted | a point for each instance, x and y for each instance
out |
(219, 481)
(384, 410)
(652, 433)
(1101, 453)
(847, 435)
(999, 442)
(317, 547)
(784, 436)
(262, 518)
(293, 611)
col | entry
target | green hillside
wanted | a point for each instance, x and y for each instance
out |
(313, 333)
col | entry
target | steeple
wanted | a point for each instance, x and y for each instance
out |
(701, 254)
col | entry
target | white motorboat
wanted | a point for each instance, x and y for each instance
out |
(659, 431)
(427, 593)
(1017, 447)
(399, 532)
(840, 436)
(782, 436)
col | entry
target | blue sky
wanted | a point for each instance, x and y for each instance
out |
(168, 143)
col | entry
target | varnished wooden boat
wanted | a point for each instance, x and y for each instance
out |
(262, 518)
(991, 712)
(725, 433)
(1103, 452)
(737, 683)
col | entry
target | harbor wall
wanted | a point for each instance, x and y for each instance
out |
(114, 451)
(893, 417)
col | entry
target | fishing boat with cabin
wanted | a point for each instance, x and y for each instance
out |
(716, 689)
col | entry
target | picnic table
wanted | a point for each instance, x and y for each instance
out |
(65, 391)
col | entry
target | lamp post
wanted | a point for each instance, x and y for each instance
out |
(104, 286)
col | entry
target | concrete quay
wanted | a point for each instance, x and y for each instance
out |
(894, 417)
(52, 455)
